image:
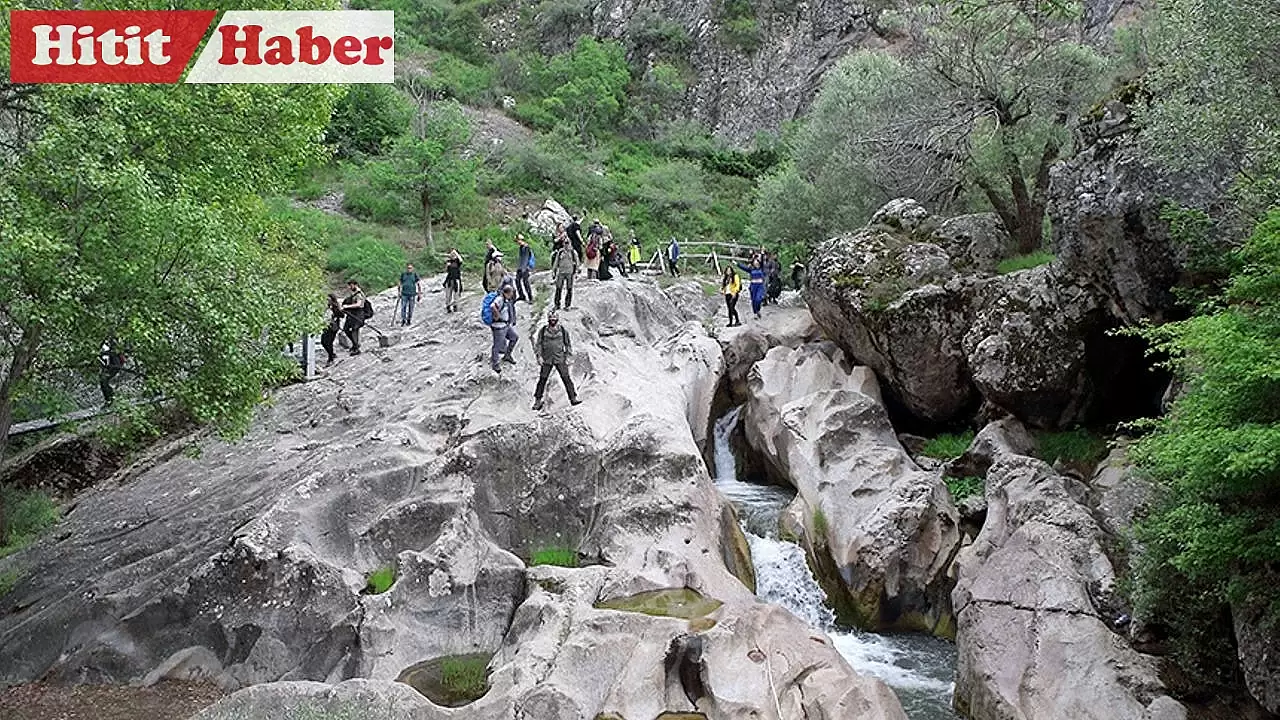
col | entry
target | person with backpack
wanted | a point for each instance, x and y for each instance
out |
(731, 286)
(574, 233)
(410, 293)
(499, 313)
(553, 350)
(564, 265)
(494, 272)
(756, 270)
(452, 280)
(673, 257)
(331, 330)
(110, 364)
(524, 266)
(356, 309)
(593, 254)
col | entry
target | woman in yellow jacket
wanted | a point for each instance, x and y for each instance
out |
(731, 286)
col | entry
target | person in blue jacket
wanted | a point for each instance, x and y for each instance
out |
(756, 270)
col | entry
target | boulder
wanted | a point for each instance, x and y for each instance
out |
(254, 562)
(901, 214)
(1030, 638)
(747, 344)
(976, 242)
(544, 220)
(1259, 649)
(942, 341)
(885, 530)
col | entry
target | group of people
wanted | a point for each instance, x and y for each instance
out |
(764, 280)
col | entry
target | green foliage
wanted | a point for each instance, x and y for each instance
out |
(373, 262)
(1025, 262)
(1207, 264)
(380, 580)
(465, 676)
(1074, 446)
(820, 526)
(27, 513)
(564, 557)
(367, 119)
(9, 580)
(964, 487)
(649, 31)
(1216, 454)
(739, 28)
(589, 86)
(948, 446)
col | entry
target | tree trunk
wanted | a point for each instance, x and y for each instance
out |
(426, 221)
(23, 355)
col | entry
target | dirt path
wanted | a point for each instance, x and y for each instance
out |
(165, 701)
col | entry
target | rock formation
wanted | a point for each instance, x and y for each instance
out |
(253, 562)
(886, 530)
(1032, 639)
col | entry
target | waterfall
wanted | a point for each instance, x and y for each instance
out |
(919, 669)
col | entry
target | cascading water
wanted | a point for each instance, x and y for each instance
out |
(919, 669)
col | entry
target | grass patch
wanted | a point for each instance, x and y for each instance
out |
(27, 514)
(673, 602)
(563, 557)
(380, 580)
(964, 487)
(1025, 262)
(820, 525)
(948, 446)
(8, 580)
(1079, 445)
(465, 676)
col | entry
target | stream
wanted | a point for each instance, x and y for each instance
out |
(920, 669)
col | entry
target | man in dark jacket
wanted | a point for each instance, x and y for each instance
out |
(524, 262)
(552, 348)
(574, 231)
(504, 328)
(564, 265)
(353, 310)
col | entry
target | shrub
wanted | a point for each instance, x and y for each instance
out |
(1077, 446)
(27, 513)
(8, 580)
(365, 195)
(820, 526)
(366, 119)
(563, 557)
(963, 487)
(380, 580)
(373, 262)
(1024, 262)
(948, 446)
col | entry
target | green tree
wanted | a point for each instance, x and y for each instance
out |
(367, 119)
(1215, 536)
(654, 96)
(589, 85)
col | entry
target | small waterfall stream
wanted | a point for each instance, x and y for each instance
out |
(919, 669)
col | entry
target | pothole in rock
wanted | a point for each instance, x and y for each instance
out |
(670, 602)
(450, 680)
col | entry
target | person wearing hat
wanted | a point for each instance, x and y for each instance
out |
(595, 246)
(353, 310)
(524, 266)
(494, 271)
(553, 350)
(504, 328)
(489, 252)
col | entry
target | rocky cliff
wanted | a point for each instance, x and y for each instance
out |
(252, 562)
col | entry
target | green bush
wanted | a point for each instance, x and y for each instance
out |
(27, 513)
(380, 580)
(964, 487)
(1024, 262)
(366, 198)
(739, 27)
(948, 446)
(367, 118)
(1078, 446)
(820, 526)
(564, 557)
(373, 262)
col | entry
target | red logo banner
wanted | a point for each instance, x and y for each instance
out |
(104, 46)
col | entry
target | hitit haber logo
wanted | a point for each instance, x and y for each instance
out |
(155, 46)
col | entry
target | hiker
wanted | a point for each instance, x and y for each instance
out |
(673, 257)
(494, 272)
(553, 350)
(331, 330)
(605, 272)
(593, 256)
(502, 314)
(773, 270)
(410, 293)
(797, 275)
(564, 265)
(489, 252)
(731, 286)
(633, 253)
(756, 271)
(452, 280)
(110, 363)
(574, 233)
(615, 258)
(524, 266)
(353, 308)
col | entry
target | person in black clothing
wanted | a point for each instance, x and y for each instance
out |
(110, 363)
(452, 280)
(524, 290)
(489, 252)
(353, 309)
(574, 231)
(797, 275)
(331, 330)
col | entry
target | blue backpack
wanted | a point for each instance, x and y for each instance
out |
(531, 264)
(486, 312)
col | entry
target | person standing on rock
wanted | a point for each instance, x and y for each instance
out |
(524, 266)
(574, 233)
(553, 350)
(731, 286)
(593, 256)
(673, 257)
(410, 293)
(452, 280)
(489, 252)
(353, 310)
(773, 271)
(331, 330)
(756, 270)
(564, 265)
(797, 275)
(494, 272)
(504, 328)
(633, 253)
